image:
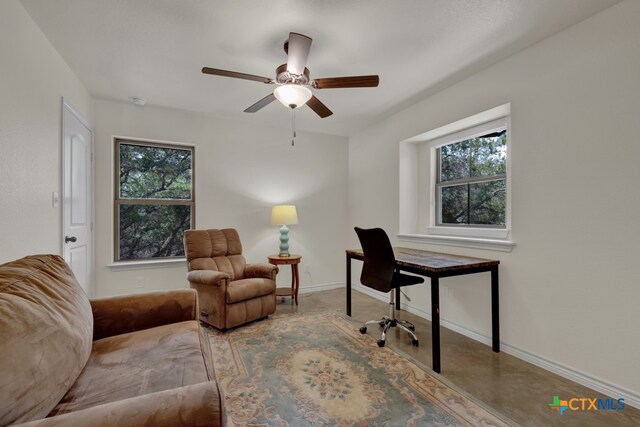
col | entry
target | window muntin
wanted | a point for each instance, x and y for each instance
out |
(154, 199)
(471, 181)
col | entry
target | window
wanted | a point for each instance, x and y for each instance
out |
(455, 185)
(471, 181)
(154, 199)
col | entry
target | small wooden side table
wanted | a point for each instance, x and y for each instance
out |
(293, 261)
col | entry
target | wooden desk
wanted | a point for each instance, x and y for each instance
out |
(437, 265)
(292, 260)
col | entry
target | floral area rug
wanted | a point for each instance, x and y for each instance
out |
(318, 370)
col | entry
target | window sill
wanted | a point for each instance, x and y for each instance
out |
(459, 241)
(469, 232)
(143, 265)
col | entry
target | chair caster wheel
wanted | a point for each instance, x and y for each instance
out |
(363, 330)
(380, 343)
(414, 342)
(411, 328)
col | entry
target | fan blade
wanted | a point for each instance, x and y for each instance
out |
(260, 104)
(317, 106)
(225, 73)
(298, 51)
(345, 82)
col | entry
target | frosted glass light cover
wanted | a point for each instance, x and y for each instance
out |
(292, 95)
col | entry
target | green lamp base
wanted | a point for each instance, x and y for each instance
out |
(284, 241)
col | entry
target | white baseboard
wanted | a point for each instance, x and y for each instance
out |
(631, 398)
(615, 391)
(318, 288)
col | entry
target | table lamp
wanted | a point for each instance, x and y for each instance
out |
(284, 215)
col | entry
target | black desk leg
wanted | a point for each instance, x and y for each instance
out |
(435, 323)
(348, 286)
(495, 310)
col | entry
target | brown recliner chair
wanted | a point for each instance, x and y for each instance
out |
(230, 291)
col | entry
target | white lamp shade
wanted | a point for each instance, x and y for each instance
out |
(284, 215)
(292, 95)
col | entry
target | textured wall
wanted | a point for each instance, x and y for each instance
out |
(569, 288)
(241, 171)
(33, 80)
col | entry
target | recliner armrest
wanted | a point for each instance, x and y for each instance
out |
(193, 405)
(262, 270)
(207, 277)
(129, 313)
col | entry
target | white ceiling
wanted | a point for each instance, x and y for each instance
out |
(156, 48)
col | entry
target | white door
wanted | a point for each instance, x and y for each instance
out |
(77, 196)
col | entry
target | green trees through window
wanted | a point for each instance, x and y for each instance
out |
(154, 200)
(471, 184)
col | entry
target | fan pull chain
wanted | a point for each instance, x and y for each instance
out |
(293, 127)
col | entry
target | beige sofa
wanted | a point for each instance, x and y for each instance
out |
(66, 360)
(231, 292)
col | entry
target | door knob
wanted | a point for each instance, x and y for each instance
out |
(71, 239)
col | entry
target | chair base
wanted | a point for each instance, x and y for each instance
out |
(388, 322)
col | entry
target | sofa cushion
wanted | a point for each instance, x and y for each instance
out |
(242, 290)
(217, 250)
(212, 243)
(233, 265)
(46, 329)
(138, 363)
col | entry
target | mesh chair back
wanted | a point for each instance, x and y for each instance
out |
(379, 260)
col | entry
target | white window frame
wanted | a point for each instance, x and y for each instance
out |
(468, 230)
(412, 226)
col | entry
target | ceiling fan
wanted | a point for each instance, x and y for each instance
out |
(294, 82)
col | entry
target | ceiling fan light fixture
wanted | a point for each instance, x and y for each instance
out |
(292, 95)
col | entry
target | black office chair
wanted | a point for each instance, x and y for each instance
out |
(379, 272)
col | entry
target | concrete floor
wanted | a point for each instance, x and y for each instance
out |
(513, 387)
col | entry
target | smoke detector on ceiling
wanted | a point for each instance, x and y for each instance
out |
(139, 101)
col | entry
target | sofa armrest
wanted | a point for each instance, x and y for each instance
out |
(129, 313)
(265, 271)
(193, 405)
(207, 277)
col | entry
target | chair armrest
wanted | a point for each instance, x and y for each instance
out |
(263, 270)
(193, 405)
(207, 277)
(129, 313)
